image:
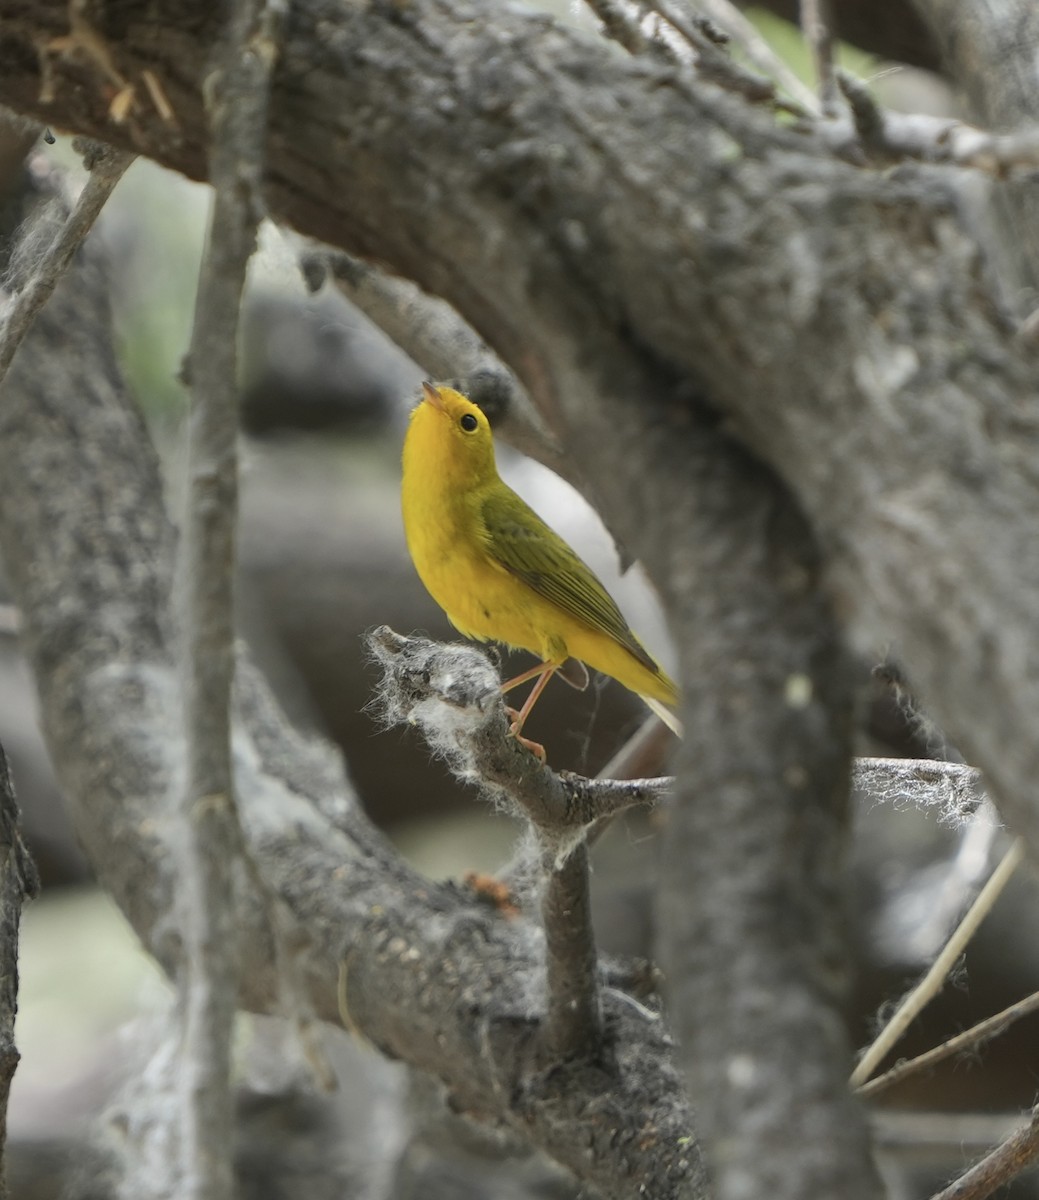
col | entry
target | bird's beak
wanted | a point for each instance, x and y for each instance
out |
(432, 396)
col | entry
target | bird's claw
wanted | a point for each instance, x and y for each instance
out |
(535, 748)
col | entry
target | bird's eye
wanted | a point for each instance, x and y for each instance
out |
(468, 422)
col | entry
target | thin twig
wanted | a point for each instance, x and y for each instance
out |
(969, 1039)
(573, 1021)
(238, 102)
(728, 17)
(961, 881)
(815, 26)
(620, 21)
(922, 1131)
(431, 332)
(892, 137)
(712, 62)
(935, 978)
(639, 757)
(642, 754)
(27, 296)
(1005, 1163)
(683, 35)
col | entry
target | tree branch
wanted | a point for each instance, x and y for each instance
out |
(815, 26)
(435, 978)
(238, 105)
(988, 51)
(1005, 1163)
(36, 264)
(896, 137)
(454, 697)
(18, 883)
(956, 790)
(840, 322)
(969, 1039)
(745, 34)
(939, 971)
(573, 1018)
(816, 370)
(449, 349)
(452, 694)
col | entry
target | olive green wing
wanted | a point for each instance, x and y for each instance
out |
(518, 540)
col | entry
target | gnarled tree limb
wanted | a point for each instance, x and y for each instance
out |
(768, 273)
(648, 253)
(434, 978)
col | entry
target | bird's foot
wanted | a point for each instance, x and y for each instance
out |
(535, 748)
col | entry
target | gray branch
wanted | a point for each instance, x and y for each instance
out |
(815, 370)
(43, 254)
(18, 883)
(793, 392)
(988, 50)
(238, 104)
(449, 349)
(454, 697)
(452, 694)
(430, 975)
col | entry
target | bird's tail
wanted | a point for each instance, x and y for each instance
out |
(665, 714)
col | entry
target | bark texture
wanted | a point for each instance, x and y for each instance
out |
(18, 883)
(794, 393)
(564, 191)
(429, 973)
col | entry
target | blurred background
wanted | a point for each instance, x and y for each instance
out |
(325, 398)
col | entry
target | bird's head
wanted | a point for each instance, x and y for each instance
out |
(455, 433)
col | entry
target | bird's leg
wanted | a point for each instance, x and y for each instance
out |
(509, 684)
(547, 670)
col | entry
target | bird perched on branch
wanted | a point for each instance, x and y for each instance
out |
(500, 573)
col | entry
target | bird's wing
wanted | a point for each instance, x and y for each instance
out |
(518, 540)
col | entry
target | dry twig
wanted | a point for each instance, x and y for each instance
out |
(935, 978)
(969, 1039)
(238, 102)
(620, 21)
(711, 60)
(445, 346)
(730, 18)
(36, 273)
(816, 29)
(896, 137)
(1004, 1163)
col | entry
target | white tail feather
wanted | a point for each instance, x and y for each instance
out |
(665, 714)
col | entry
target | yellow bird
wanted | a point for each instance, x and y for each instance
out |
(498, 571)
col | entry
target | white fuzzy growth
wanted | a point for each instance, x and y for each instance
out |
(955, 791)
(448, 728)
(448, 692)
